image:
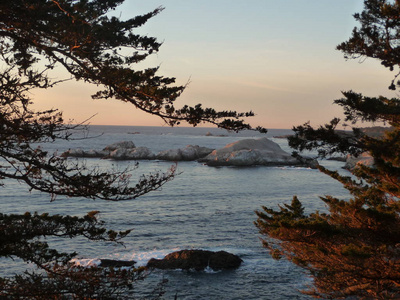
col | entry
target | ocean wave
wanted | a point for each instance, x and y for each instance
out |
(140, 257)
(295, 168)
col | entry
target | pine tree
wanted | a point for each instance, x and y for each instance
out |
(354, 248)
(91, 45)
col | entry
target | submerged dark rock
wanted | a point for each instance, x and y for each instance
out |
(197, 260)
(337, 158)
(111, 263)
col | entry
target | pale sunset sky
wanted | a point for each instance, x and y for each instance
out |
(276, 58)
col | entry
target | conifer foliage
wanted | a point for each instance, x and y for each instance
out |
(354, 248)
(82, 37)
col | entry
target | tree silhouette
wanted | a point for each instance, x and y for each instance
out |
(83, 38)
(354, 248)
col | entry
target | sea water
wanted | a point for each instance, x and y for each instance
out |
(204, 207)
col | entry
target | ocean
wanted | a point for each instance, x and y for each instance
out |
(204, 207)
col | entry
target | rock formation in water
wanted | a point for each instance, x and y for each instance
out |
(247, 152)
(111, 263)
(197, 260)
(128, 151)
(250, 152)
(363, 159)
(188, 153)
(138, 153)
(125, 150)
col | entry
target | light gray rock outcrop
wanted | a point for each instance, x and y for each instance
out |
(125, 150)
(250, 152)
(120, 145)
(188, 153)
(363, 159)
(82, 153)
(131, 154)
(247, 152)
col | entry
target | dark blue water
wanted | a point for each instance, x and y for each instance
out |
(202, 208)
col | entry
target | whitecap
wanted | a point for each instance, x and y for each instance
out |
(86, 262)
(141, 257)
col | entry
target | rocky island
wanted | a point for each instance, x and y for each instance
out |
(252, 152)
(246, 152)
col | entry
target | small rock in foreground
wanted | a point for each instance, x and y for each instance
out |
(111, 263)
(197, 260)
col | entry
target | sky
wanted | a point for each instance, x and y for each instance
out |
(276, 58)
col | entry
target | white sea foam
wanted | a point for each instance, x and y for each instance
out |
(295, 168)
(141, 257)
(85, 262)
(211, 271)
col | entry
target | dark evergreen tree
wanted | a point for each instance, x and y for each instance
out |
(354, 248)
(81, 37)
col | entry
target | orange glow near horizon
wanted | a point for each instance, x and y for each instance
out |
(285, 70)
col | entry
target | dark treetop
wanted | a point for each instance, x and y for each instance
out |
(81, 37)
(354, 248)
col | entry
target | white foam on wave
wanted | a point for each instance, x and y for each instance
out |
(295, 168)
(141, 257)
(85, 262)
(208, 270)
